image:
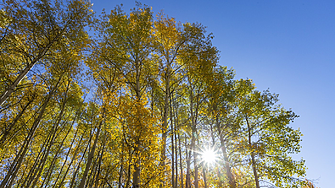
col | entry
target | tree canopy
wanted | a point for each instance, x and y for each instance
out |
(135, 102)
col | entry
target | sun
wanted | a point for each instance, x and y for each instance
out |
(209, 156)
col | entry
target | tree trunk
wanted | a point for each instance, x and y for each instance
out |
(188, 165)
(172, 146)
(34, 168)
(121, 167)
(213, 144)
(12, 87)
(194, 137)
(77, 169)
(10, 127)
(254, 168)
(137, 168)
(72, 159)
(205, 178)
(16, 164)
(231, 179)
(99, 166)
(165, 115)
(8, 91)
(52, 165)
(50, 144)
(176, 154)
(91, 155)
(181, 163)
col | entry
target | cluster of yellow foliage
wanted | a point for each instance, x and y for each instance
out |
(132, 106)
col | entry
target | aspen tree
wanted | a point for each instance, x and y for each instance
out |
(35, 30)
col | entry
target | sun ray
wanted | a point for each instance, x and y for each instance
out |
(209, 156)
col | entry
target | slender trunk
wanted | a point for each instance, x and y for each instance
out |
(90, 177)
(91, 155)
(19, 158)
(8, 91)
(195, 162)
(72, 159)
(99, 166)
(181, 164)
(120, 174)
(165, 115)
(96, 166)
(188, 166)
(205, 178)
(121, 167)
(12, 87)
(10, 127)
(11, 174)
(176, 154)
(231, 179)
(137, 168)
(77, 169)
(33, 169)
(178, 145)
(19, 182)
(253, 161)
(213, 144)
(137, 162)
(172, 147)
(52, 165)
(50, 144)
(193, 138)
(128, 174)
(37, 174)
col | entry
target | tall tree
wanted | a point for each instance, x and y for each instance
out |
(199, 57)
(35, 30)
(152, 100)
(127, 48)
(270, 141)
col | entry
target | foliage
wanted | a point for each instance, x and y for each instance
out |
(154, 97)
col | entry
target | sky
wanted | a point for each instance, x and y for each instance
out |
(286, 46)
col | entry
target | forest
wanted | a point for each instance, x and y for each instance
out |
(132, 99)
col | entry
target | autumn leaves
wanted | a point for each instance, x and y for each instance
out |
(156, 92)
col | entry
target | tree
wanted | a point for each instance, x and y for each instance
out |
(34, 32)
(141, 111)
(127, 49)
(270, 141)
(221, 98)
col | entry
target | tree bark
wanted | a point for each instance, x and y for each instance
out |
(50, 144)
(91, 155)
(165, 113)
(137, 168)
(12, 87)
(172, 146)
(77, 169)
(16, 164)
(205, 178)
(181, 163)
(231, 179)
(52, 165)
(10, 127)
(188, 165)
(254, 168)
(72, 159)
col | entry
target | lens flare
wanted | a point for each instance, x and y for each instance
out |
(209, 156)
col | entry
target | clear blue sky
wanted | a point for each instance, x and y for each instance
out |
(285, 45)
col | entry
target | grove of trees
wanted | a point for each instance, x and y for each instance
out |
(131, 100)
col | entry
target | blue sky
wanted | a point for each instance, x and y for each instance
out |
(287, 46)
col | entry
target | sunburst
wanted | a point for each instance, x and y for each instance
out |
(209, 156)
